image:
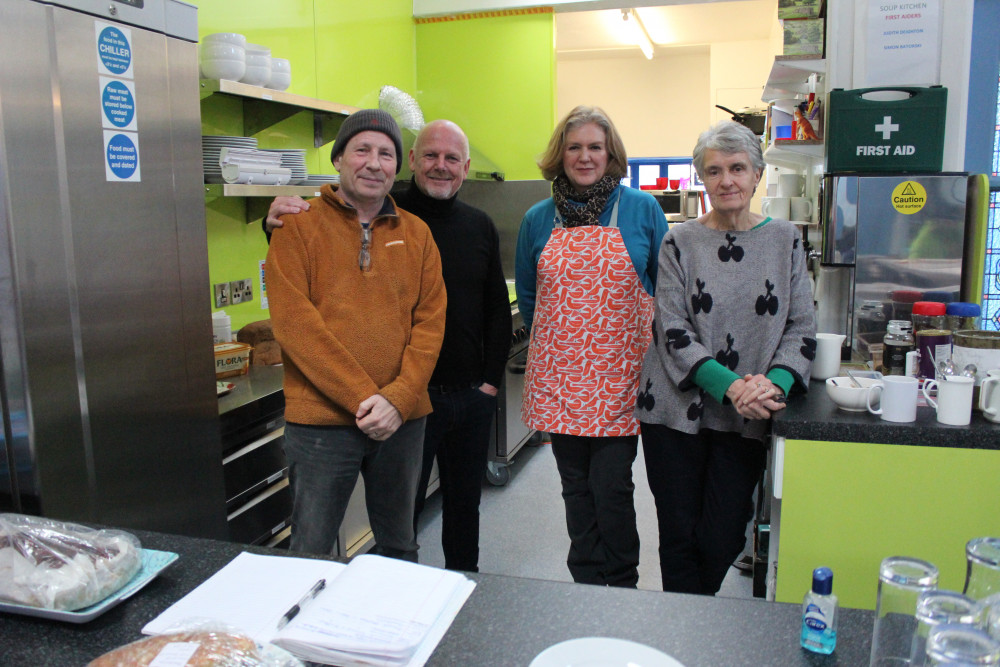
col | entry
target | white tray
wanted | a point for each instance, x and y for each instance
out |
(153, 562)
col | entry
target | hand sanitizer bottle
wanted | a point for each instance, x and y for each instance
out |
(819, 614)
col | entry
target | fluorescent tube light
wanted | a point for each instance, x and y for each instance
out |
(638, 32)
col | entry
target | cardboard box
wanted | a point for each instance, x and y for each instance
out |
(800, 9)
(803, 37)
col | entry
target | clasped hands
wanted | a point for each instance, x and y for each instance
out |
(754, 397)
(378, 418)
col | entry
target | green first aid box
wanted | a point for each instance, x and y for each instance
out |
(886, 129)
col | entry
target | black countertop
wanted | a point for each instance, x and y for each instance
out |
(816, 417)
(506, 621)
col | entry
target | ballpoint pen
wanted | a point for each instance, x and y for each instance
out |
(297, 607)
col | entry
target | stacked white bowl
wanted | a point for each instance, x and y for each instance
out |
(281, 74)
(258, 70)
(223, 56)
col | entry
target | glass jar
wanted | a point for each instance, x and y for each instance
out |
(897, 342)
(928, 315)
(962, 316)
(902, 303)
(871, 316)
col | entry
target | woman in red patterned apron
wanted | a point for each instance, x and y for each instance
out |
(586, 269)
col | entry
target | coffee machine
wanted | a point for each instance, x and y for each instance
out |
(888, 240)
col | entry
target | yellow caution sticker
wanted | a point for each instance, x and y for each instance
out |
(909, 197)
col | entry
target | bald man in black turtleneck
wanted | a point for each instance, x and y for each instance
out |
(464, 385)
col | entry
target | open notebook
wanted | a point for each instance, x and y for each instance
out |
(374, 611)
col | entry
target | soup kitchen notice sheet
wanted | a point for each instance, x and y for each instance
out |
(374, 611)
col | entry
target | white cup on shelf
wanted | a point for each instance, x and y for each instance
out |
(776, 207)
(800, 208)
(791, 185)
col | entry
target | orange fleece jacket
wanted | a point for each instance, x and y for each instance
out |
(347, 334)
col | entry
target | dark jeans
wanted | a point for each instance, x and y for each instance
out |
(323, 465)
(597, 489)
(703, 487)
(458, 433)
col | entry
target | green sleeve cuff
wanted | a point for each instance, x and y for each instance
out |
(781, 378)
(715, 379)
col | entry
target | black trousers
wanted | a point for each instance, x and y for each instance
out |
(597, 489)
(458, 433)
(703, 487)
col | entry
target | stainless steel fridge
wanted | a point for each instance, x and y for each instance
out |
(888, 240)
(107, 387)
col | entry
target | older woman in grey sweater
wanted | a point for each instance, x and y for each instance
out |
(734, 332)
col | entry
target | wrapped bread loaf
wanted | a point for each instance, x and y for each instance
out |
(62, 566)
(200, 648)
(200, 643)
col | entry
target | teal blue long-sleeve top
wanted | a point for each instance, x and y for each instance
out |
(642, 226)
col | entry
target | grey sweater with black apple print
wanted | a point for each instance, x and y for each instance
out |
(740, 298)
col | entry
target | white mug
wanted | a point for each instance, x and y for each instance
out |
(897, 398)
(827, 361)
(800, 208)
(790, 185)
(954, 398)
(989, 396)
(776, 207)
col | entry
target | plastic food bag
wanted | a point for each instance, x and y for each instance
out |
(63, 566)
(199, 643)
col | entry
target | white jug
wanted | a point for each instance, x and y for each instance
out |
(827, 361)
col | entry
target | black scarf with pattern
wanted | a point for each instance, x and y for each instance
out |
(594, 199)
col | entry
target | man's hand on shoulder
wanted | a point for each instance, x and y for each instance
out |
(281, 206)
(378, 418)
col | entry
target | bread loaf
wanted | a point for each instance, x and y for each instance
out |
(62, 566)
(214, 649)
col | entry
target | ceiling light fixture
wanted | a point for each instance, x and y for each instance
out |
(638, 32)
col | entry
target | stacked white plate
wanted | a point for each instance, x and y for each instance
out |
(293, 159)
(250, 166)
(321, 179)
(212, 145)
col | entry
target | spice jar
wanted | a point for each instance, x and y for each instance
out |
(962, 316)
(871, 316)
(898, 341)
(928, 315)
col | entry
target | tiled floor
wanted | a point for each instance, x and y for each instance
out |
(523, 528)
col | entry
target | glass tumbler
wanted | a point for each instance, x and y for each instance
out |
(901, 580)
(936, 608)
(991, 615)
(961, 645)
(982, 573)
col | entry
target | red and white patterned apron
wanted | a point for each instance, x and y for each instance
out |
(590, 331)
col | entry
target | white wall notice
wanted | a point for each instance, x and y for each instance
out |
(904, 43)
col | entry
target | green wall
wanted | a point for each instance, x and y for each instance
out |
(496, 78)
(477, 72)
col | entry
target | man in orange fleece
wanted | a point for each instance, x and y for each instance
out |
(357, 302)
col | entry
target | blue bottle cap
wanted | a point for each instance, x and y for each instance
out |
(822, 581)
(963, 309)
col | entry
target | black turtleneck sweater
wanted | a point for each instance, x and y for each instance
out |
(477, 331)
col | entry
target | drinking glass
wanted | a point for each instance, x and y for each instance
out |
(958, 645)
(982, 573)
(936, 608)
(901, 580)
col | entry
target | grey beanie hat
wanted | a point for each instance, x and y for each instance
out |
(375, 120)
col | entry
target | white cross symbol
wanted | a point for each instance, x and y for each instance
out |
(887, 127)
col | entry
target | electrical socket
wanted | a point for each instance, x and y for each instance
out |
(222, 293)
(241, 290)
(235, 292)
